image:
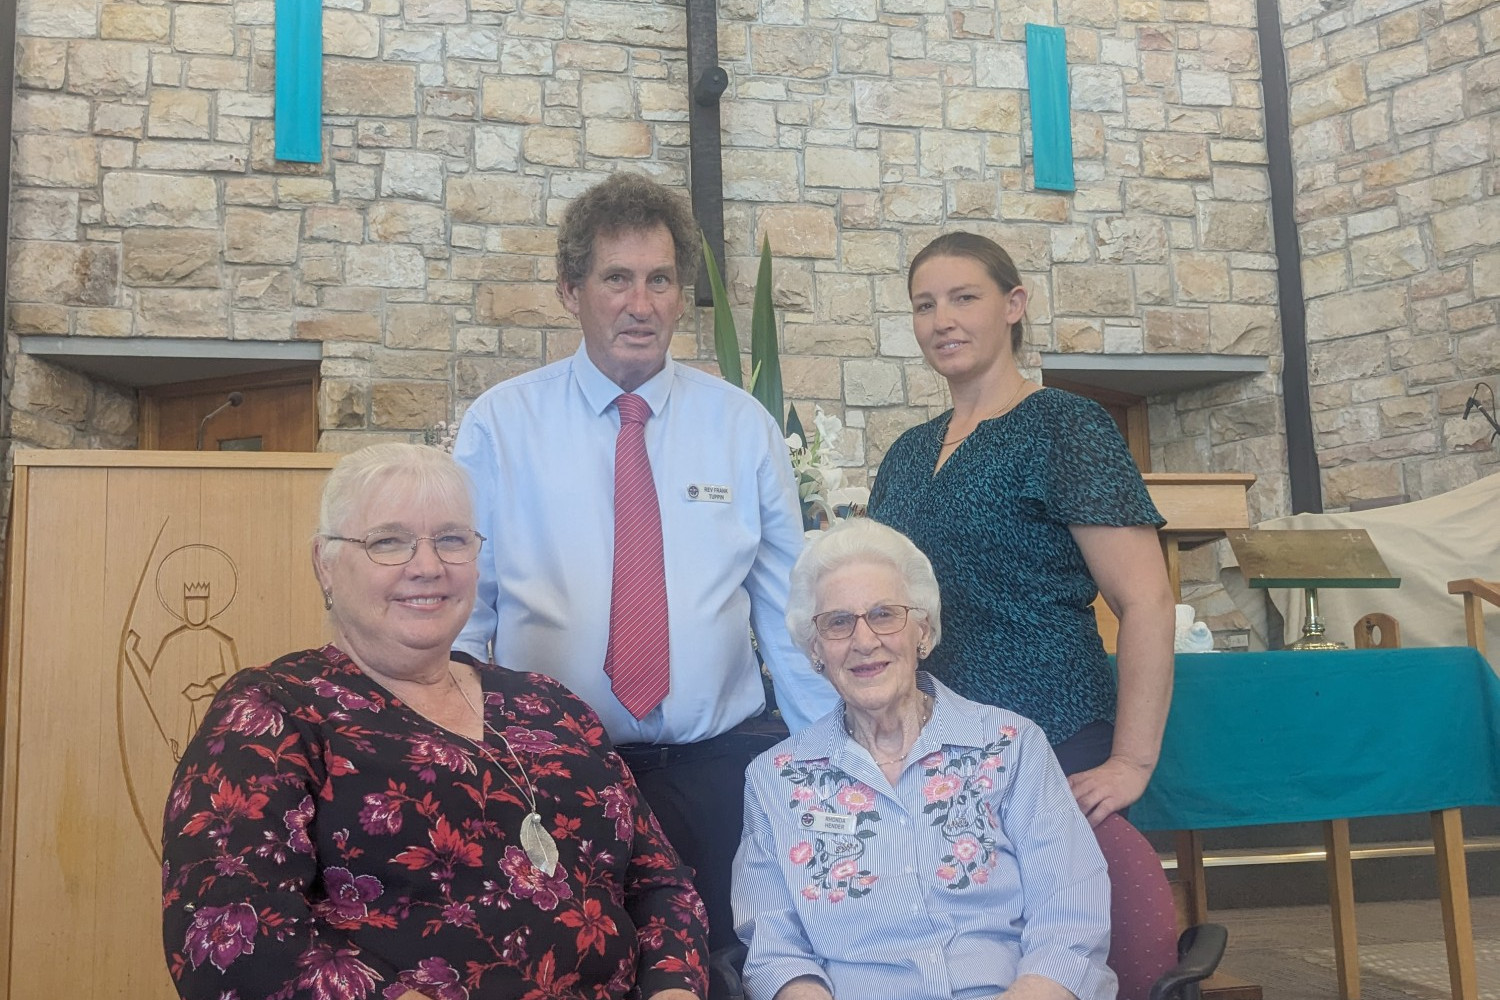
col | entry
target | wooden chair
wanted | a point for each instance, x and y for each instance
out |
(1377, 631)
(1475, 593)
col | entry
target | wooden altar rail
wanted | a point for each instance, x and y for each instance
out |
(1475, 593)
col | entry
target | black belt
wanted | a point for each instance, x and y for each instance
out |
(751, 734)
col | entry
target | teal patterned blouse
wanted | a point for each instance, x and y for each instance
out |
(1018, 631)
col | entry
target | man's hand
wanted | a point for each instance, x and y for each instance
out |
(1108, 788)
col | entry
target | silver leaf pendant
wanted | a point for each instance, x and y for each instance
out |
(540, 848)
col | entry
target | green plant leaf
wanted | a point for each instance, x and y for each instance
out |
(794, 426)
(726, 339)
(764, 349)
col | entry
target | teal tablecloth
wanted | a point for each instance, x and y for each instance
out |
(1290, 737)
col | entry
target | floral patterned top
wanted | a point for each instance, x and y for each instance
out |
(324, 841)
(975, 869)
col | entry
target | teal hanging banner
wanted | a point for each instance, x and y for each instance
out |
(299, 80)
(1051, 123)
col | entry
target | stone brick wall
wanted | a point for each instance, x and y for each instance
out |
(1395, 109)
(147, 201)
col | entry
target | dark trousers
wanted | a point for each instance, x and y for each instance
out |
(697, 791)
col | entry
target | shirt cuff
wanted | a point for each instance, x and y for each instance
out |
(766, 979)
(1078, 974)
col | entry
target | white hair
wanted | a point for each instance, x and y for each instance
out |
(428, 474)
(860, 540)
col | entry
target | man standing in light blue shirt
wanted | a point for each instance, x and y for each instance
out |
(541, 449)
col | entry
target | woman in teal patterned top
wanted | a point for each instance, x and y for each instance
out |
(1028, 504)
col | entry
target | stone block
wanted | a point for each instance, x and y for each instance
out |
(495, 199)
(44, 214)
(56, 161)
(1354, 313)
(1324, 274)
(164, 312)
(650, 26)
(1096, 88)
(408, 405)
(335, 327)
(531, 304)
(1131, 240)
(1225, 225)
(761, 175)
(912, 203)
(1001, 65)
(951, 155)
(179, 114)
(1364, 481)
(1204, 89)
(1428, 103)
(204, 29)
(184, 258)
(1160, 197)
(1395, 67)
(872, 382)
(1387, 256)
(78, 274)
(1171, 331)
(350, 34)
(419, 327)
(822, 340)
(143, 199)
(41, 63)
(983, 110)
(1470, 226)
(401, 222)
(384, 266)
(1482, 85)
(1093, 290)
(1201, 277)
(905, 102)
(835, 167)
(49, 391)
(369, 88)
(108, 69)
(27, 318)
(257, 236)
(798, 231)
(617, 139)
(1463, 145)
(791, 53)
(1334, 92)
(871, 252)
(1234, 328)
(408, 174)
(264, 288)
(553, 147)
(1180, 157)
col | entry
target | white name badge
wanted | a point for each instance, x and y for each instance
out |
(708, 492)
(821, 822)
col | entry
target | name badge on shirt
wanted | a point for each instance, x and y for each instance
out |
(821, 822)
(708, 492)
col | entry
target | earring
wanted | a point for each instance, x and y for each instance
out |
(922, 651)
(818, 665)
(327, 600)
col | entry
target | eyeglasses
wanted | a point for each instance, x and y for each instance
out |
(883, 619)
(389, 547)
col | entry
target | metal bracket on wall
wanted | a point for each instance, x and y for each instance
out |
(708, 81)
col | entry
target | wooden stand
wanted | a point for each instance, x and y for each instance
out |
(137, 582)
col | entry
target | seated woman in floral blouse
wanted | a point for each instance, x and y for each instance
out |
(911, 844)
(382, 818)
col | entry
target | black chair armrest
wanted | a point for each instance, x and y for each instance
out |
(1199, 951)
(724, 967)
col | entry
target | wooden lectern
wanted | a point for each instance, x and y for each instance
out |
(136, 583)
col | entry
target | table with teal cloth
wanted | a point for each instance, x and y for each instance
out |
(1289, 737)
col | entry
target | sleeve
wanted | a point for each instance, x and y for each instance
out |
(237, 861)
(1086, 475)
(765, 913)
(671, 923)
(1065, 912)
(802, 694)
(474, 450)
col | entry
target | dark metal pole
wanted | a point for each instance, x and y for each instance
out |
(1301, 449)
(707, 81)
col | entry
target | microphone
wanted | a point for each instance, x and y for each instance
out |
(233, 399)
(1469, 407)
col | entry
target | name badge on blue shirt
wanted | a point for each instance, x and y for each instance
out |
(708, 492)
(821, 822)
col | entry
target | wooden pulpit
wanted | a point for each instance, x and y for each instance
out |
(136, 583)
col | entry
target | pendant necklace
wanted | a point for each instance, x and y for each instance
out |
(540, 848)
(1009, 404)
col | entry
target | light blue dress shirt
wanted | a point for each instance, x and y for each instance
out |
(976, 869)
(540, 449)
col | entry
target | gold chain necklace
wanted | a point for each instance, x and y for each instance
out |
(1007, 405)
(540, 848)
(927, 703)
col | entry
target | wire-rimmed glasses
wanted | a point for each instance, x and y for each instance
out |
(883, 619)
(393, 547)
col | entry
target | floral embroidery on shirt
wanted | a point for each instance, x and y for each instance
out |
(832, 860)
(957, 793)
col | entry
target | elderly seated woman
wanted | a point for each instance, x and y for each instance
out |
(911, 843)
(383, 818)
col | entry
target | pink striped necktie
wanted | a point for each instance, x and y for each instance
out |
(637, 660)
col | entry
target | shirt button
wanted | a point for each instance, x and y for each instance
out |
(914, 907)
(903, 820)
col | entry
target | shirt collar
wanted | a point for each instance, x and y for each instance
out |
(953, 723)
(601, 393)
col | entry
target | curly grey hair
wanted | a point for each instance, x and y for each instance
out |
(860, 540)
(625, 203)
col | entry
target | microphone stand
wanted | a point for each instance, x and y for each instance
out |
(1474, 404)
(234, 399)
